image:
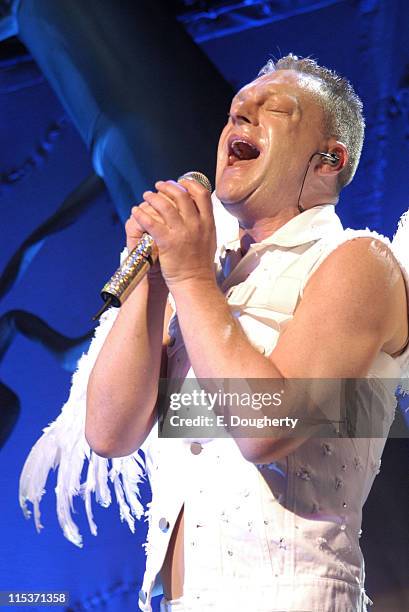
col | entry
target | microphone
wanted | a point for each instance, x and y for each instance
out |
(139, 261)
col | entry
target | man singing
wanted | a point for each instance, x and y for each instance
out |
(257, 524)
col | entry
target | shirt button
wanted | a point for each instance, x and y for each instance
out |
(195, 448)
(163, 524)
(142, 596)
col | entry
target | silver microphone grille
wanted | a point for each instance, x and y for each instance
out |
(199, 177)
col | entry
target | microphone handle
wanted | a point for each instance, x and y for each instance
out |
(138, 262)
(129, 274)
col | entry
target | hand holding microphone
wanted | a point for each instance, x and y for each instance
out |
(145, 253)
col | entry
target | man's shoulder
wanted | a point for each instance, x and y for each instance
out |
(357, 251)
(357, 261)
(363, 280)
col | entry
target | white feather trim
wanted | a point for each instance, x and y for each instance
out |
(400, 248)
(63, 445)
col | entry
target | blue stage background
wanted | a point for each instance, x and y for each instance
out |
(43, 160)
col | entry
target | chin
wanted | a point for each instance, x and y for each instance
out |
(229, 199)
(233, 198)
(231, 191)
(236, 183)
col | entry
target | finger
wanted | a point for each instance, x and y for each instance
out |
(153, 225)
(200, 195)
(167, 209)
(133, 229)
(146, 207)
(177, 192)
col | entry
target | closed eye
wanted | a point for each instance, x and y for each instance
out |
(277, 110)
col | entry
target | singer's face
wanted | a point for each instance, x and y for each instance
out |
(275, 124)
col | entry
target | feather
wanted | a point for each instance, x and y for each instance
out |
(63, 445)
(400, 248)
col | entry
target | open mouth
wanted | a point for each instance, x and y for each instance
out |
(241, 149)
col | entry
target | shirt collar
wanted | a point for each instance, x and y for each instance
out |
(309, 226)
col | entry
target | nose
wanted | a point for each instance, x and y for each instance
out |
(245, 107)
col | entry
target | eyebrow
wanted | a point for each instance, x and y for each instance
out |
(274, 92)
(292, 97)
(271, 93)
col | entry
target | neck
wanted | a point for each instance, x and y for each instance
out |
(258, 230)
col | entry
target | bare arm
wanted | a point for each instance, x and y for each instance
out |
(123, 384)
(353, 306)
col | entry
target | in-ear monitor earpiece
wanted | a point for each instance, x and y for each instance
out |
(330, 158)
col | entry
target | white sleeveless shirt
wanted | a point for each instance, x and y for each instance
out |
(278, 537)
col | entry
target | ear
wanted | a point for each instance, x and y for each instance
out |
(334, 147)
